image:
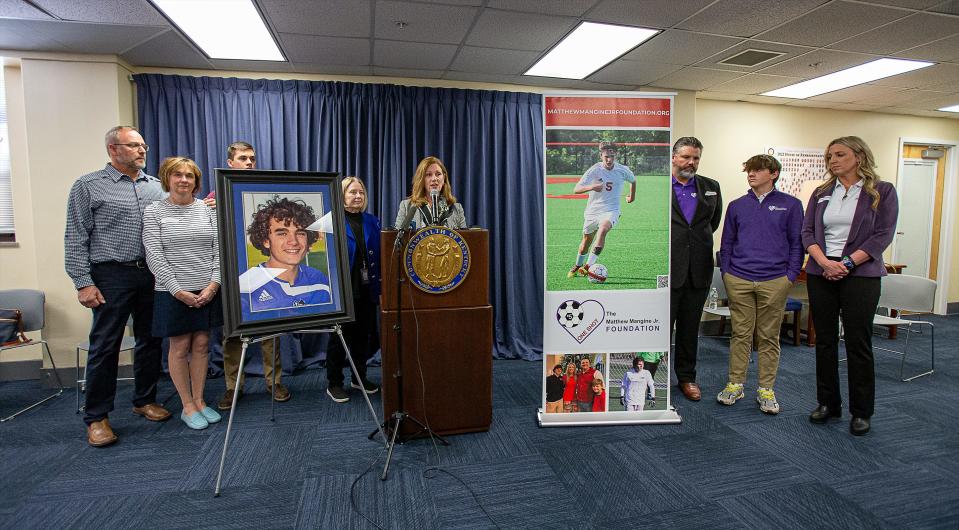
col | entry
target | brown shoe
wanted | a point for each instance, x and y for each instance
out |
(99, 433)
(226, 402)
(152, 412)
(282, 393)
(691, 391)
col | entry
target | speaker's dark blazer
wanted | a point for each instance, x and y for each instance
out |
(692, 243)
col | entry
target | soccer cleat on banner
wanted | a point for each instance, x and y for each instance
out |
(731, 394)
(573, 272)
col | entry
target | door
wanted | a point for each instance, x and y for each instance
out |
(917, 200)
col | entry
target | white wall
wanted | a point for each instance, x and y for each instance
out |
(59, 112)
(732, 132)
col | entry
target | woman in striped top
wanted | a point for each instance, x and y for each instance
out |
(179, 235)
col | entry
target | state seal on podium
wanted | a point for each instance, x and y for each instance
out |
(437, 259)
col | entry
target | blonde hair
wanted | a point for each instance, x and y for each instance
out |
(419, 196)
(171, 164)
(866, 169)
(347, 181)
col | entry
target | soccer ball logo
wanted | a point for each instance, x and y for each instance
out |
(569, 314)
(598, 273)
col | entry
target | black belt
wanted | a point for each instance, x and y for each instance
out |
(138, 263)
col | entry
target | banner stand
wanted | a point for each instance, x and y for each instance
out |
(607, 418)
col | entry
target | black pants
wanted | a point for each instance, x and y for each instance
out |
(854, 299)
(127, 291)
(362, 338)
(685, 312)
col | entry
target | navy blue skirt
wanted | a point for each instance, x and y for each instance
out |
(172, 317)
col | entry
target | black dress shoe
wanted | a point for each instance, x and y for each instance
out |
(823, 413)
(859, 426)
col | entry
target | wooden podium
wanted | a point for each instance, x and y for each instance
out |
(447, 345)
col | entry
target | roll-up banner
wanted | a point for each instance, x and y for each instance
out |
(607, 207)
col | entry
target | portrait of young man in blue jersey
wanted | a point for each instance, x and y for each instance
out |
(279, 230)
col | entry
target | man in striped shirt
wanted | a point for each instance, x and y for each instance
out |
(104, 256)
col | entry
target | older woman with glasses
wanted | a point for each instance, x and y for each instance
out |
(362, 335)
(849, 222)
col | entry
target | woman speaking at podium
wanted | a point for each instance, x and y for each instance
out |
(432, 201)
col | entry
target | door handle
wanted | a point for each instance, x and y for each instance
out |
(900, 233)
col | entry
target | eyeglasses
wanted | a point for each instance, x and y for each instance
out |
(136, 146)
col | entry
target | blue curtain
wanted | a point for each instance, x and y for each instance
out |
(490, 141)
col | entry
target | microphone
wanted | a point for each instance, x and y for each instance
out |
(434, 196)
(403, 226)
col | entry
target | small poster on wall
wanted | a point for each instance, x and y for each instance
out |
(804, 169)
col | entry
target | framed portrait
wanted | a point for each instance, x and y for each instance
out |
(283, 252)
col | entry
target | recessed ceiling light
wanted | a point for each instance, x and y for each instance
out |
(856, 75)
(588, 48)
(223, 29)
(953, 108)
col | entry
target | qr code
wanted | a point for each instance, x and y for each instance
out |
(662, 281)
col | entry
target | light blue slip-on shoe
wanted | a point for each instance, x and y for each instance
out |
(194, 421)
(211, 415)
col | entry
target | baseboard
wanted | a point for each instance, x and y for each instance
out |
(33, 370)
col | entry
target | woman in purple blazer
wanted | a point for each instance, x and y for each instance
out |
(849, 222)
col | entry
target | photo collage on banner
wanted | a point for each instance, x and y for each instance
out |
(607, 218)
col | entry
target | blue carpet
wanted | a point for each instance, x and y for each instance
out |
(722, 467)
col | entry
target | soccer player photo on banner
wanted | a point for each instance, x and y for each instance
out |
(607, 207)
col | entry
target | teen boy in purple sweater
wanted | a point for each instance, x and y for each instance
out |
(760, 257)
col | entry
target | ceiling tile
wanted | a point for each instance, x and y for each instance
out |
(407, 72)
(105, 11)
(719, 96)
(488, 78)
(756, 83)
(940, 50)
(333, 69)
(549, 82)
(80, 37)
(19, 35)
(331, 18)
(932, 103)
(788, 51)
(857, 93)
(252, 66)
(648, 13)
(633, 72)
(395, 54)
(692, 78)
(169, 49)
(903, 97)
(504, 29)
(680, 47)
(571, 8)
(493, 61)
(421, 22)
(911, 31)
(817, 63)
(767, 100)
(833, 22)
(943, 77)
(590, 85)
(950, 8)
(746, 18)
(911, 4)
(325, 50)
(455, 2)
(22, 10)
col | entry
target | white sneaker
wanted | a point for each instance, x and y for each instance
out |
(767, 400)
(731, 394)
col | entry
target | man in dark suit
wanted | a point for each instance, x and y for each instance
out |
(697, 209)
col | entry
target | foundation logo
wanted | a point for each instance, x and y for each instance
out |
(437, 259)
(580, 319)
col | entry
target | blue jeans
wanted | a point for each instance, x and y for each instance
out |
(128, 290)
(585, 406)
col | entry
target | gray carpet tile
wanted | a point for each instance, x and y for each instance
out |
(722, 467)
(719, 464)
(933, 501)
(800, 506)
(110, 510)
(707, 515)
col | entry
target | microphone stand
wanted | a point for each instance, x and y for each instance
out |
(395, 423)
